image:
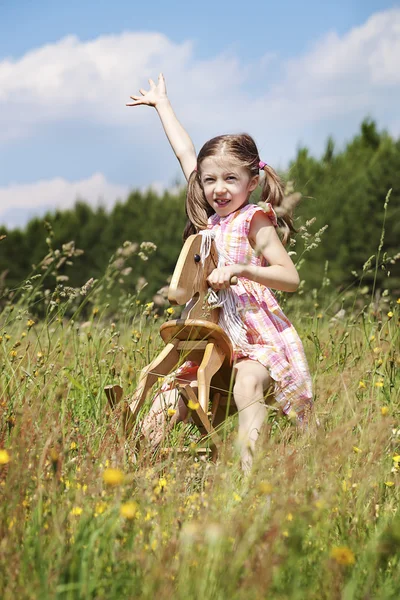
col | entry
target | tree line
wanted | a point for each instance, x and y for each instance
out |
(344, 189)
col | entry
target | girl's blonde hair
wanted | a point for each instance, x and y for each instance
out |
(241, 149)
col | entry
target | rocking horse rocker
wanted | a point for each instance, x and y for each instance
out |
(196, 336)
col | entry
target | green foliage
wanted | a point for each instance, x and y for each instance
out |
(83, 514)
(347, 191)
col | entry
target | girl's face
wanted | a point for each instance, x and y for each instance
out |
(227, 187)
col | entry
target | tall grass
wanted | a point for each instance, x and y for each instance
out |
(82, 516)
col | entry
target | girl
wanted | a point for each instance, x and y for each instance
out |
(267, 350)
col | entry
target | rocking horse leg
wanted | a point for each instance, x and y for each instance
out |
(162, 365)
(212, 361)
(200, 418)
(114, 394)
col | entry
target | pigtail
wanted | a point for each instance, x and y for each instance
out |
(197, 208)
(273, 193)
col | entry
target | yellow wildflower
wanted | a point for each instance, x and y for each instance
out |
(361, 384)
(236, 497)
(389, 483)
(390, 314)
(72, 446)
(265, 488)
(128, 510)
(170, 310)
(99, 508)
(289, 517)
(113, 477)
(396, 458)
(171, 412)
(4, 457)
(379, 384)
(343, 555)
(30, 323)
(76, 511)
(162, 483)
(356, 450)
(193, 405)
(384, 410)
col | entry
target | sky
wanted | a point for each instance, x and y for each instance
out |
(289, 73)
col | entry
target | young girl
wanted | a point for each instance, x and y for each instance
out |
(267, 350)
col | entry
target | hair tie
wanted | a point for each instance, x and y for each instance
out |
(261, 165)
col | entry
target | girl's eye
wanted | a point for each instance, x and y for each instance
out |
(208, 180)
(231, 177)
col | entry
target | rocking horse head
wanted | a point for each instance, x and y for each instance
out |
(189, 280)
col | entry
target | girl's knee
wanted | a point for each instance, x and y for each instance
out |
(247, 388)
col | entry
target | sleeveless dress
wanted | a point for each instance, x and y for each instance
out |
(271, 338)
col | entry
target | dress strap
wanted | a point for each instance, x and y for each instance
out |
(266, 208)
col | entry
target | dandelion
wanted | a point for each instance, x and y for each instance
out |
(343, 555)
(390, 314)
(99, 508)
(113, 477)
(170, 310)
(76, 511)
(171, 412)
(128, 510)
(396, 458)
(384, 410)
(72, 446)
(193, 405)
(361, 384)
(265, 488)
(162, 483)
(379, 384)
(4, 457)
(389, 483)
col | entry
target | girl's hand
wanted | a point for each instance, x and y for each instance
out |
(223, 277)
(152, 97)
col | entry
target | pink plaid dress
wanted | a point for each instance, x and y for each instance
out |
(272, 339)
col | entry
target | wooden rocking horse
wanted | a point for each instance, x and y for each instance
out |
(197, 337)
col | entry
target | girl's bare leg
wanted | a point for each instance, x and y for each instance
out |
(156, 421)
(252, 380)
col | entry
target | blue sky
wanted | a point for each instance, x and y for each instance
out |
(290, 73)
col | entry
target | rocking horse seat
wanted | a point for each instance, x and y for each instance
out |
(189, 330)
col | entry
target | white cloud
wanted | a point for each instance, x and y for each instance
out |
(93, 80)
(18, 200)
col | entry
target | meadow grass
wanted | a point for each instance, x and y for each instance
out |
(83, 516)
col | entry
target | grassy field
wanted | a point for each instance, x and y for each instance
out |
(83, 517)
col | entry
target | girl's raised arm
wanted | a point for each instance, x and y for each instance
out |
(177, 136)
